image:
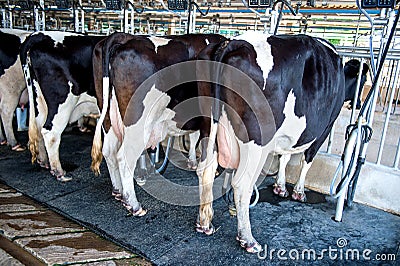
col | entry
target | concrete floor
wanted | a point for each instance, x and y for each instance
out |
(166, 235)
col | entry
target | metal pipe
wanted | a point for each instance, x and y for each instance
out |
(330, 139)
(371, 35)
(82, 18)
(132, 22)
(355, 98)
(386, 124)
(397, 157)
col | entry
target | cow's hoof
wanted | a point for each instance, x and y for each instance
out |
(208, 230)
(280, 191)
(299, 196)
(232, 210)
(253, 247)
(138, 213)
(43, 164)
(18, 147)
(135, 213)
(64, 178)
(116, 194)
(192, 165)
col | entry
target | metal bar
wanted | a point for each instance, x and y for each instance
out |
(355, 98)
(386, 124)
(330, 139)
(397, 157)
(362, 55)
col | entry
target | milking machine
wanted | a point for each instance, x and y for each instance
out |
(359, 133)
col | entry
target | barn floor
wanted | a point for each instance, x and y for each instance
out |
(166, 235)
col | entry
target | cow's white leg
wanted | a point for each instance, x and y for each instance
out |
(206, 173)
(252, 160)
(110, 149)
(193, 137)
(298, 191)
(280, 184)
(52, 137)
(39, 146)
(8, 105)
(127, 171)
(52, 141)
(12, 84)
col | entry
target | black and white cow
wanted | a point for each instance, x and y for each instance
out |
(12, 83)
(138, 112)
(277, 95)
(59, 76)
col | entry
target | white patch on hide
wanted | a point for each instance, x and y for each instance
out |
(290, 131)
(85, 106)
(57, 36)
(207, 41)
(137, 136)
(264, 56)
(158, 41)
(64, 112)
(22, 34)
(327, 45)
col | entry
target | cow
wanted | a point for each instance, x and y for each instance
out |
(351, 70)
(12, 83)
(274, 95)
(59, 77)
(123, 64)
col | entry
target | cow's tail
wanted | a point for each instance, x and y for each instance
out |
(221, 52)
(107, 50)
(33, 131)
(97, 154)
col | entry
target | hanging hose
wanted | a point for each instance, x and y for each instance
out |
(164, 164)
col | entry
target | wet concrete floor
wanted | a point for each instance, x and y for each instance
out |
(291, 232)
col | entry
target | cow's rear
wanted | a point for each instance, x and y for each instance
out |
(281, 96)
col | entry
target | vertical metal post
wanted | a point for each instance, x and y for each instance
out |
(397, 158)
(37, 20)
(10, 19)
(82, 18)
(389, 109)
(43, 17)
(3, 22)
(132, 21)
(126, 18)
(330, 139)
(355, 98)
(76, 22)
(193, 20)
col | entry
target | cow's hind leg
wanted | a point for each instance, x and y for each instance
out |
(298, 191)
(280, 184)
(8, 104)
(128, 153)
(36, 142)
(251, 162)
(193, 137)
(110, 149)
(206, 173)
(52, 141)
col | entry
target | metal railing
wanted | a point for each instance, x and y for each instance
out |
(385, 147)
